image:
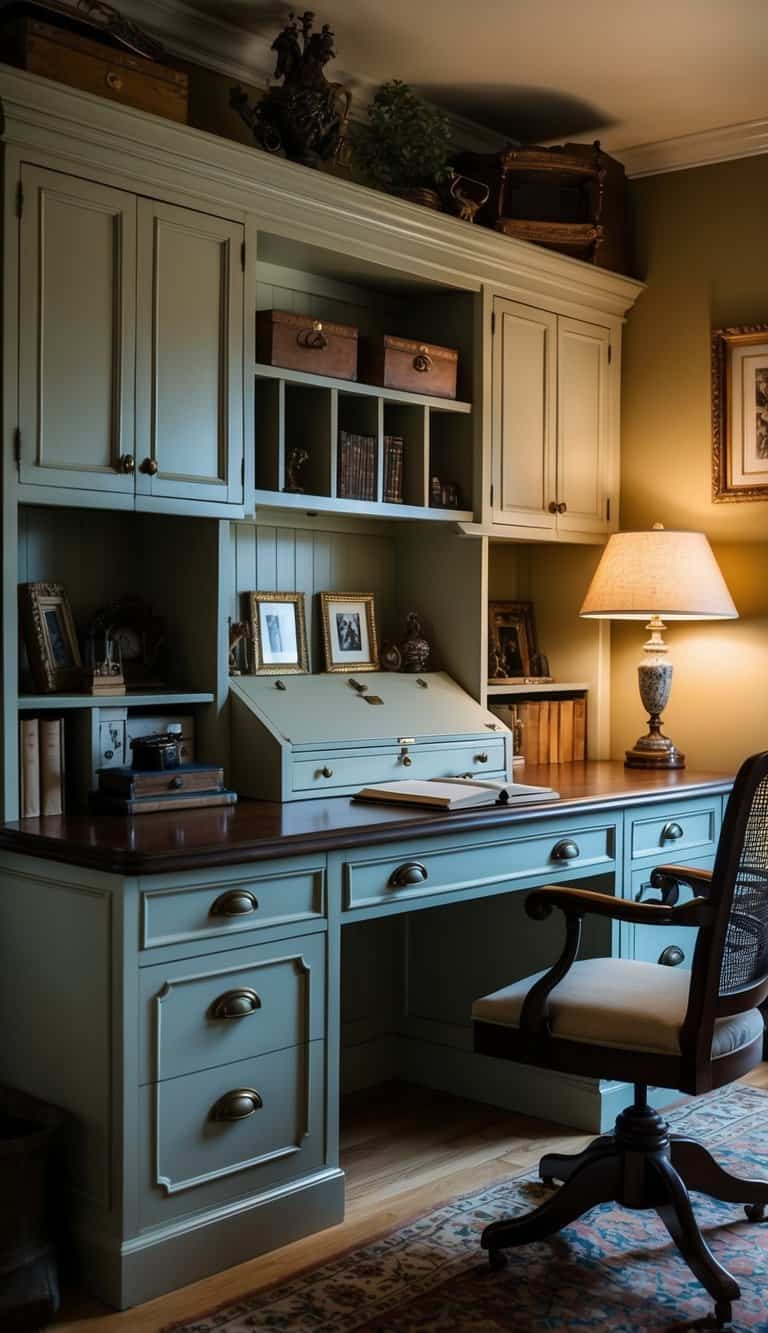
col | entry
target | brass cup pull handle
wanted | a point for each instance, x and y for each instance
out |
(235, 902)
(422, 361)
(236, 1105)
(113, 81)
(481, 758)
(326, 772)
(641, 898)
(671, 832)
(148, 466)
(127, 463)
(313, 338)
(412, 872)
(566, 850)
(672, 956)
(238, 1003)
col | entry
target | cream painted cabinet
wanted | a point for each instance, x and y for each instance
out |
(552, 464)
(131, 348)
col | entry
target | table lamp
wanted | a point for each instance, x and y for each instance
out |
(657, 576)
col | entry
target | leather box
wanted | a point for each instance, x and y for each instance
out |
(93, 66)
(399, 363)
(131, 782)
(300, 342)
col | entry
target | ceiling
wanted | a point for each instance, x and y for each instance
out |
(627, 71)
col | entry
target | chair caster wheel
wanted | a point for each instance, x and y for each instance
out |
(497, 1260)
(755, 1212)
(723, 1312)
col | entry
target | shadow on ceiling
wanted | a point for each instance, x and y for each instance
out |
(528, 115)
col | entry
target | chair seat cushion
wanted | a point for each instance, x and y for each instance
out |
(619, 1002)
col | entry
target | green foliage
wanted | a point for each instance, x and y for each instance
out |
(405, 142)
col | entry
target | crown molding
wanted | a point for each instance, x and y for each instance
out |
(696, 150)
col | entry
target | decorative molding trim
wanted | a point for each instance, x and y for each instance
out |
(696, 150)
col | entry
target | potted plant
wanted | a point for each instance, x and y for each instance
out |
(404, 146)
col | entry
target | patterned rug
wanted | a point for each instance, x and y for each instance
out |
(614, 1270)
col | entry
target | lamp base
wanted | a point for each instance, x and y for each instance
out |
(668, 758)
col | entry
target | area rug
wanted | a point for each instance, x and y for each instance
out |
(614, 1270)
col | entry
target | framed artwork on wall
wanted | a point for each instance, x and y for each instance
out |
(349, 631)
(278, 633)
(740, 413)
(50, 637)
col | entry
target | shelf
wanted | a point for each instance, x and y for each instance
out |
(138, 698)
(556, 687)
(365, 390)
(325, 504)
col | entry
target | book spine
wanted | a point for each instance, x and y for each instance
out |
(148, 805)
(342, 478)
(393, 469)
(565, 745)
(51, 733)
(554, 731)
(370, 476)
(29, 764)
(579, 729)
(354, 480)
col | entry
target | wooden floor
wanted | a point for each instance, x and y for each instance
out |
(404, 1149)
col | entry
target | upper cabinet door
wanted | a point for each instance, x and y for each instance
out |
(524, 415)
(189, 356)
(583, 456)
(77, 333)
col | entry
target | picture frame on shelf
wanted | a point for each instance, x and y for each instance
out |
(278, 633)
(740, 413)
(50, 637)
(349, 631)
(513, 656)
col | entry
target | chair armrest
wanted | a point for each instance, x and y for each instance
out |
(669, 878)
(583, 902)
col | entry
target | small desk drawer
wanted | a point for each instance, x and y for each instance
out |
(353, 769)
(672, 946)
(175, 915)
(418, 873)
(214, 1010)
(666, 831)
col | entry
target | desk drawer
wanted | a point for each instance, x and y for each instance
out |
(196, 1153)
(210, 1011)
(416, 872)
(352, 769)
(672, 946)
(281, 893)
(664, 831)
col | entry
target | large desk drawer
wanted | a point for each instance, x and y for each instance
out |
(435, 867)
(214, 1010)
(352, 769)
(665, 831)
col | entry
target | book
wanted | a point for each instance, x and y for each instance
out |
(455, 793)
(393, 468)
(51, 744)
(29, 767)
(148, 805)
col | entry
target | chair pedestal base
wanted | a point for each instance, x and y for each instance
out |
(641, 1165)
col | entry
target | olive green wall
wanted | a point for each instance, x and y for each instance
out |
(700, 246)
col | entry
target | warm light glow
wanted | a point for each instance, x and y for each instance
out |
(673, 575)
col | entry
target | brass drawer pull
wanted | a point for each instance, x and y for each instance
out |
(236, 1105)
(672, 956)
(238, 1003)
(481, 758)
(148, 466)
(413, 872)
(422, 360)
(671, 832)
(127, 463)
(565, 850)
(641, 898)
(561, 508)
(113, 81)
(235, 902)
(176, 783)
(326, 772)
(313, 338)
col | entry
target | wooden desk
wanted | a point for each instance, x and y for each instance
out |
(154, 967)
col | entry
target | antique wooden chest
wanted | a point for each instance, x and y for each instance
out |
(399, 363)
(300, 342)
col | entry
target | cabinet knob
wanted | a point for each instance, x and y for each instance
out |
(671, 832)
(238, 1003)
(235, 902)
(481, 758)
(149, 466)
(565, 850)
(552, 506)
(113, 81)
(236, 1105)
(326, 772)
(127, 463)
(561, 508)
(672, 956)
(412, 872)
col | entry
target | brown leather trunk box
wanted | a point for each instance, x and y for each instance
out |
(300, 342)
(93, 66)
(399, 363)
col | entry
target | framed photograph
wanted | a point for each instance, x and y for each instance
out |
(50, 637)
(740, 413)
(278, 633)
(349, 631)
(511, 641)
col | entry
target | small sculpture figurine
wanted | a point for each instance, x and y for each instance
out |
(496, 669)
(415, 648)
(237, 632)
(294, 462)
(106, 674)
(305, 117)
(467, 205)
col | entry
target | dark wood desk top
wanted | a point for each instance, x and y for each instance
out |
(257, 830)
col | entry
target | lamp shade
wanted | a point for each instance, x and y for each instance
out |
(673, 575)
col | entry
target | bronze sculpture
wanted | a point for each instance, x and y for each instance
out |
(303, 118)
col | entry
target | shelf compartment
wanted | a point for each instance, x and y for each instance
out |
(410, 421)
(357, 415)
(308, 425)
(450, 457)
(352, 387)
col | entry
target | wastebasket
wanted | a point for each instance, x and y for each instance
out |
(29, 1285)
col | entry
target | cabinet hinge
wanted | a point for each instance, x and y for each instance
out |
(493, 322)
(17, 448)
(610, 354)
(242, 256)
(608, 508)
(19, 200)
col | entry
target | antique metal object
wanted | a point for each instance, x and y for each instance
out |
(236, 1105)
(415, 648)
(160, 751)
(305, 116)
(238, 630)
(469, 195)
(294, 462)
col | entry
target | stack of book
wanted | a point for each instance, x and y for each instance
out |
(41, 766)
(546, 731)
(356, 478)
(132, 791)
(394, 448)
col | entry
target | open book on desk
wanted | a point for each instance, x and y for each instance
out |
(455, 793)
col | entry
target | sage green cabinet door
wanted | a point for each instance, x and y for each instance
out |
(583, 482)
(189, 356)
(524, 415)
(77, 333)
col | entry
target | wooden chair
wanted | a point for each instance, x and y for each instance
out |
(649, 1024)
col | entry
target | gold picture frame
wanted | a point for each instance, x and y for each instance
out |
(48, 628)
(740, 413)
(349, 631)
(278, 634)
(511, 641)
